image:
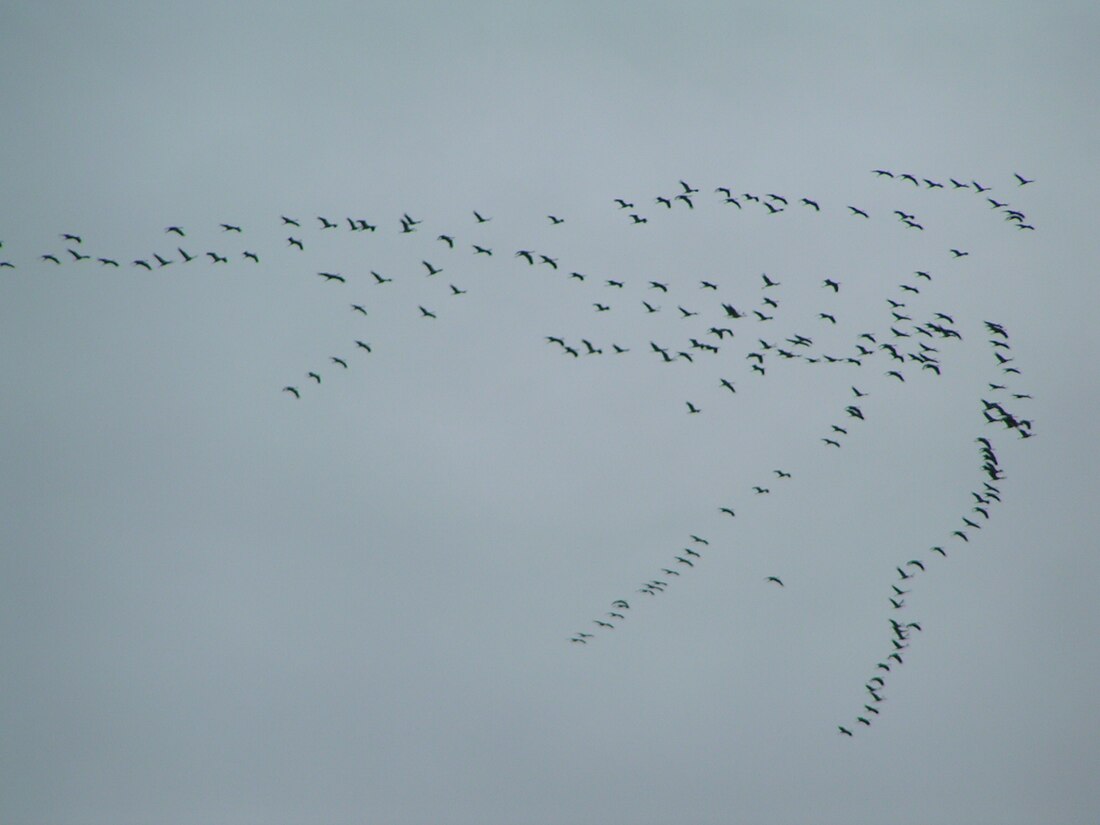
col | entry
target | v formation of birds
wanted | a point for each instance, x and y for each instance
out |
(908, 341)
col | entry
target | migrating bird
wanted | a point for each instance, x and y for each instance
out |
(426, 313)
(775, 579)
(292, 390)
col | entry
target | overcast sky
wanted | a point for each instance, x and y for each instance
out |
(223, 603)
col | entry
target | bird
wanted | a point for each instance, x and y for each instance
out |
(339, 361)
(252, 256)
(554, 220)
(358, 308)
(332, 276)
(174, 229)
(860, 212)
(293, 391)
(289, 221)
(481, 250)
(228, 227)
(727, 511)
(295, 242)
(314, 376)
(959, 254)
(775, 579)
(447, 239)
(480, 218)
(1023, 181)
(692, 409)
(426, 313)
(844, 730)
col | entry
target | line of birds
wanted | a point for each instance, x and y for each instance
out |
(985, 498)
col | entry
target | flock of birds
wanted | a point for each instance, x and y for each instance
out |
(733, 327)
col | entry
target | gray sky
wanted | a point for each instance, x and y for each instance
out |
(222, 604)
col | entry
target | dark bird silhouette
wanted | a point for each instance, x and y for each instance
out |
(447, 239)
(692, 409)
(809, 202)
(175, 229)
(638, 218)
(252, 256)
(363, 345)
(379, 279)
(623, 204)
(775, 579)
(339, 361)
(314, 376)
(768, 281)
(431, 269)
(844, 730)
(657, 285)
(228, 227)
(358, 308)
(859, 212)
(289, 221)
(293, 391)
(555, 220)
(143, 263)
(482, 250)
(426, 313)
(332, 276)
(295, 242)
(959, 254)
(1023, 181)
(545, 259)
(727, 511)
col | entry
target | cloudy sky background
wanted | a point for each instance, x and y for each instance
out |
(218, 603)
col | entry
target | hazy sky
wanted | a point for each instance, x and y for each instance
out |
(221, 603)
